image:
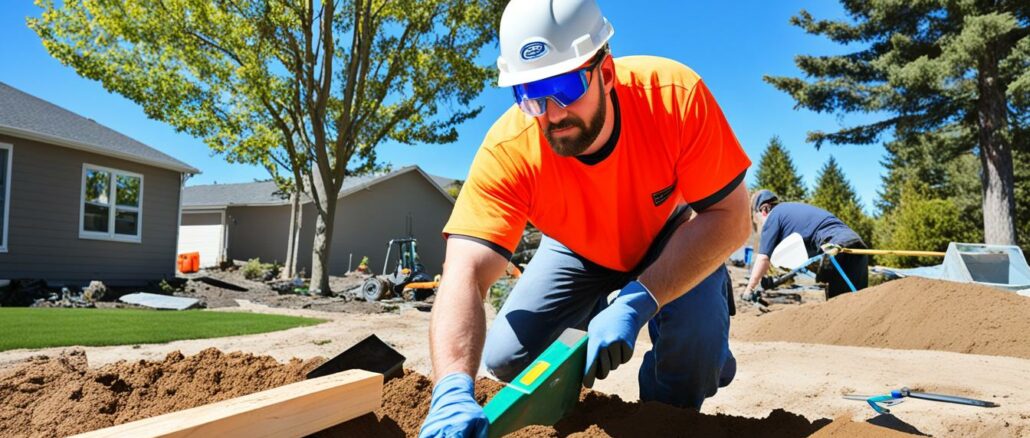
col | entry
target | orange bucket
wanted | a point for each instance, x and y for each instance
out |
(189, 262)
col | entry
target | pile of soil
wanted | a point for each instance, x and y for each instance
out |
(406, 403)
(912, 314)
(846, 428)
(59, 396)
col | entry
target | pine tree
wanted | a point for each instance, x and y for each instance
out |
(952, 70)
(776, 172)
(834, 193)
(1022, 164)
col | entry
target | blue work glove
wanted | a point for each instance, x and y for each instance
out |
(454, 411)
(613, 332)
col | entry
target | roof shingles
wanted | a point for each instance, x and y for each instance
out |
(266, 192)
(22, 114)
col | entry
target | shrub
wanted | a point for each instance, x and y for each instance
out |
(96, 291)
(166, 288)
(257, 271)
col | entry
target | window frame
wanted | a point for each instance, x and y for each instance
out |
(112, 214)
(7, 197)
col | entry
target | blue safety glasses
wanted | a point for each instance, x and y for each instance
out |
(564, 89)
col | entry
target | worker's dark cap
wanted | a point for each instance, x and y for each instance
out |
(763, 197)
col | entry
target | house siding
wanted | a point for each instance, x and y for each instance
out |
(258, 232)
(201, 219)
(44, 242)
(365, 221)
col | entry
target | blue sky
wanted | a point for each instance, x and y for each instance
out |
(730, 44)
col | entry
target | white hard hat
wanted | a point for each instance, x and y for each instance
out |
(543, 38)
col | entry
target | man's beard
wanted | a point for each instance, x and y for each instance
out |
(569, 146)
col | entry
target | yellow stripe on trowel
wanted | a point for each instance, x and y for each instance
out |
(534, 372)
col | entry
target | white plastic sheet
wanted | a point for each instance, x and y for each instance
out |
(156, 301)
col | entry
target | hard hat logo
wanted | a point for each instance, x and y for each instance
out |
(532, 51)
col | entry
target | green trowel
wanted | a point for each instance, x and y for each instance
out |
(545, 391)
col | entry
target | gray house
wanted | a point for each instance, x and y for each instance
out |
(81, 202)
(248, 220)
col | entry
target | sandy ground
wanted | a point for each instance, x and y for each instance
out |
(806, 379)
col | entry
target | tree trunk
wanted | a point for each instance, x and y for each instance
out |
(290, 269)
(296, 232)
(995, 156)
(323, 242)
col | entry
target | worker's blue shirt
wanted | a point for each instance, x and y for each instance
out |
(815, 225)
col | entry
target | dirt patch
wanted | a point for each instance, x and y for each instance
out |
(58, 396)
(406, 403)
(911, 313)
(344, 289)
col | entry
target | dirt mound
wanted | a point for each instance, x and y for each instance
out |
(846, 428)
(912, 313)
(61, 396)
(406, 403)
(58, 396)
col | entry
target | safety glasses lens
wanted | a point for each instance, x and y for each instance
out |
(533, 107)
(565, 89)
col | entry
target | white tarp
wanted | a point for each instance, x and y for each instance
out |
(159, 301)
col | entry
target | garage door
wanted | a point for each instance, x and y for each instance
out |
(202, 232)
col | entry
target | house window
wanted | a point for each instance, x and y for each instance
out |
(5, 192)
(112, 204)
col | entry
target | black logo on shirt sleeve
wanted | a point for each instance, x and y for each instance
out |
(662, 195)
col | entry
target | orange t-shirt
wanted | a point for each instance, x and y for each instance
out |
(674, 146)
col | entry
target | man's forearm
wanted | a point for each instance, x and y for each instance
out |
(758, 271)
(457, 329)
(697, 248)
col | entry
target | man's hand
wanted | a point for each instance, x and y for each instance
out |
(749, 295)
(768, 283)
(454, 411)
(613, 332)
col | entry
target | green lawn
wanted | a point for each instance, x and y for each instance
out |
(37, 328)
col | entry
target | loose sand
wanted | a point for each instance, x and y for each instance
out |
(908, 314)
(61, 396)
(406, 402)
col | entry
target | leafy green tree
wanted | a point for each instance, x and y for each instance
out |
(954, 70)
(776, 172)
(922, 222)
(454, 188)
(834, 194)
(307, 89)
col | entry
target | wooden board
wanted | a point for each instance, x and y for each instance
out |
(293, 410)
